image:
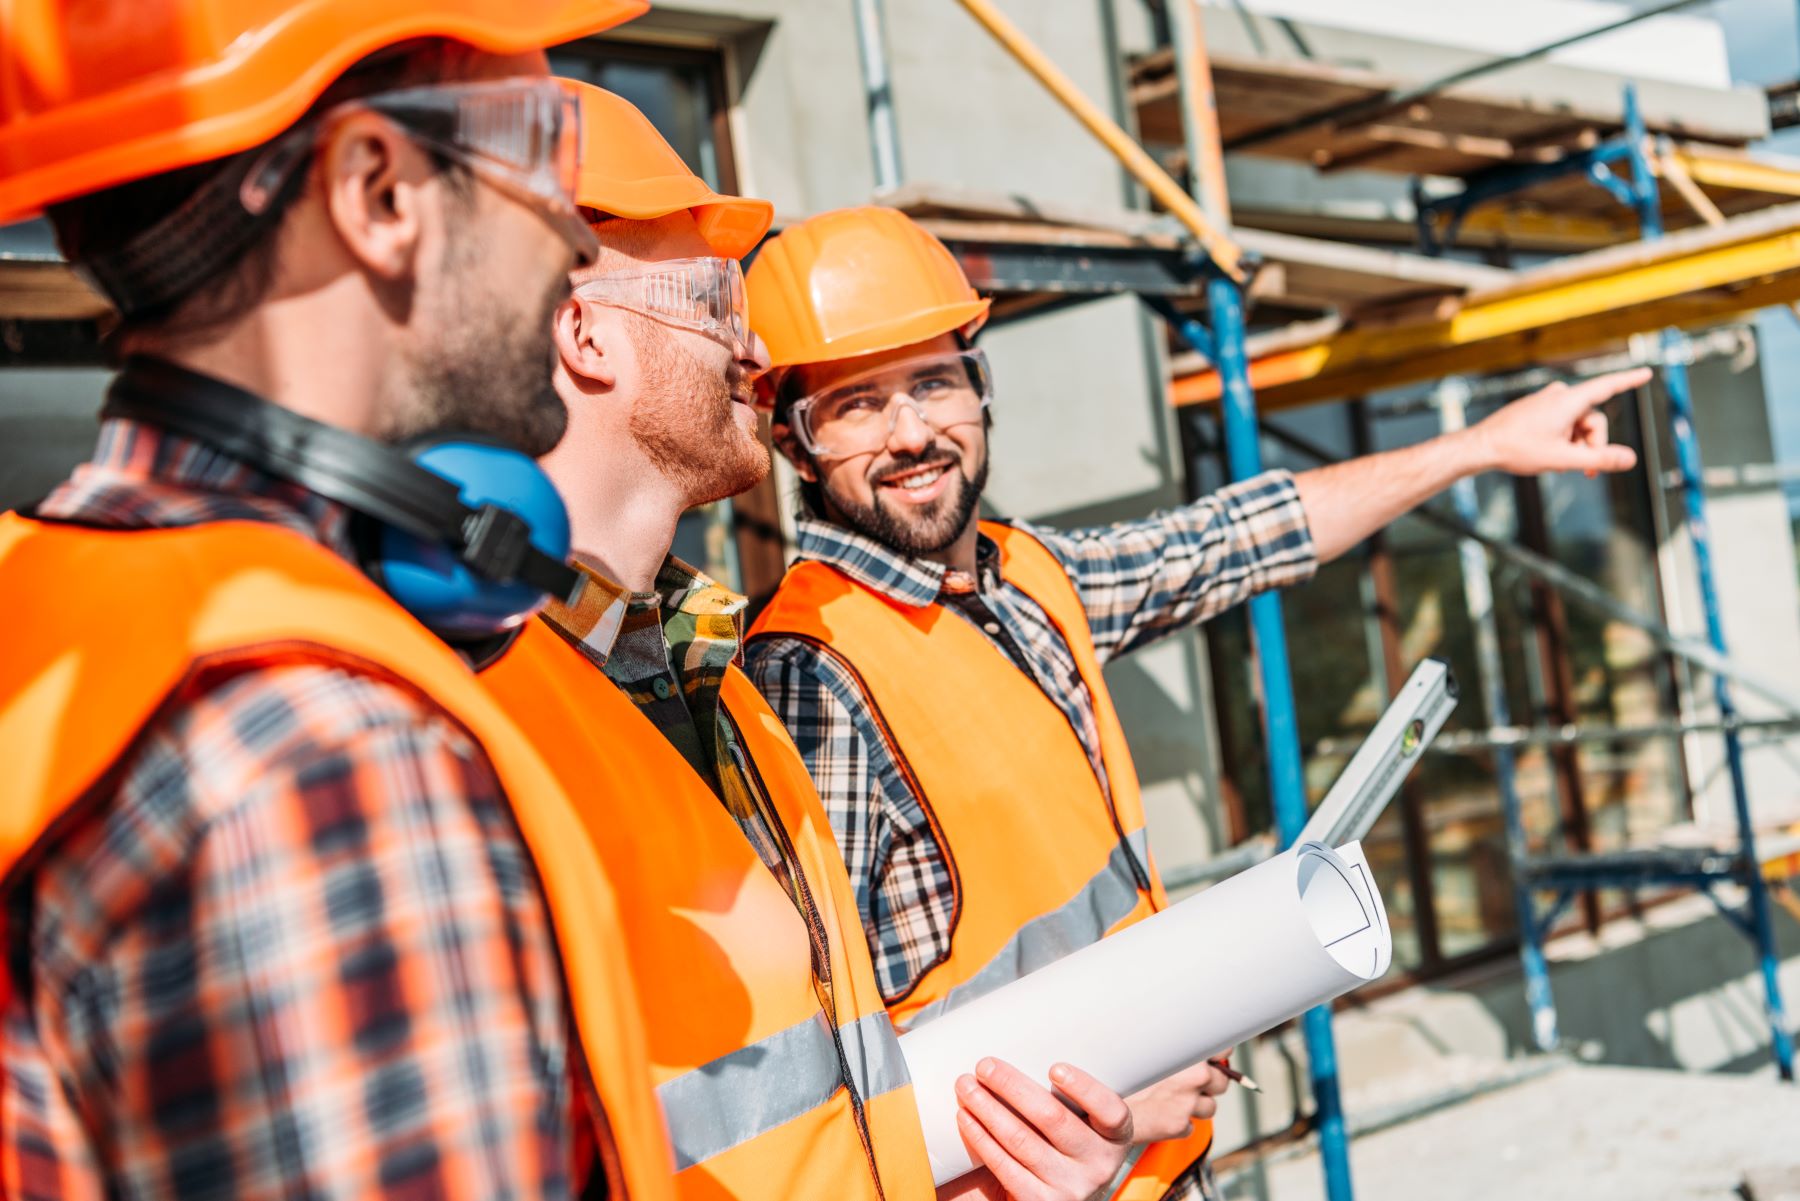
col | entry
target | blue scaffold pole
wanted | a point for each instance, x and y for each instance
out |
(1224, 345)
(1687, 456)
(1478, 595)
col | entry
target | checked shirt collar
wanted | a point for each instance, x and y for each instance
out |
(913, 582)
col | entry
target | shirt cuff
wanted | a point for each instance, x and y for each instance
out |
(1271, 529)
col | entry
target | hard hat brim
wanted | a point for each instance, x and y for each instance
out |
(120, 134)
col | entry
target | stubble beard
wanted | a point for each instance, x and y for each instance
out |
(686, 422)
(921, 532)
(490, 371)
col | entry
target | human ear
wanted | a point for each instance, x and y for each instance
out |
(581, 344)
(782, 434)
(376, 184)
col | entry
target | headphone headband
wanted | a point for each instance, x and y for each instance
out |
(366, 476)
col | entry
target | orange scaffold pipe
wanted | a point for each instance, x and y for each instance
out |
(1225, 254)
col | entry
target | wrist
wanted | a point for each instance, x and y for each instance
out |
(1472, 451)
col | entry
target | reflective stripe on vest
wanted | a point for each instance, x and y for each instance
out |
(755, 1089)
(748, 1072)
(1106, 901)
(236, 595)
(1044, 860)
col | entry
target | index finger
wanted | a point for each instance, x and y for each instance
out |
(1036, 1105)
(1602, 388)
(1107, 1111)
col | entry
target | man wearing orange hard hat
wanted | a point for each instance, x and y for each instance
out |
(291, 907)
(776, 1064)
(941, 675)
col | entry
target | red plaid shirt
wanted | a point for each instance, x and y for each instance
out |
(300, 950)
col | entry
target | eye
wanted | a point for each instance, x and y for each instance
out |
(931, 386)
(853, 404)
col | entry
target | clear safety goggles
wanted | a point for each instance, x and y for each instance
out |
(522, 136)
(857, 415)
(702, 294)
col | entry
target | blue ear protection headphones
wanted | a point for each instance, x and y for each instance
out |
(468, 535)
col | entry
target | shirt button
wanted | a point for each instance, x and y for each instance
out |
(992, 627)
(661, 689)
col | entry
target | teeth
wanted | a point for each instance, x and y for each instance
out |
(920, 480)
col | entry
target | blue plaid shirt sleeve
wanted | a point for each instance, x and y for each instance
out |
(1140, 580)
(900, 874)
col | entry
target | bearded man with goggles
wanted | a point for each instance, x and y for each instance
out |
(941, 674)
(290, 905)
(778, 1071)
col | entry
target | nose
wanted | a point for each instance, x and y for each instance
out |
(909, 432)
(754, 356)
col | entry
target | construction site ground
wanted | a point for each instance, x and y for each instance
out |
(1573, 1132)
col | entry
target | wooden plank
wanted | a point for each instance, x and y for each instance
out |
(38, 290)
(1521, 108)
(1315, 272)
(1386, 139)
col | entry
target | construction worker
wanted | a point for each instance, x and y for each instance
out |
(776, 1063)
(291, 907)
(941, 675)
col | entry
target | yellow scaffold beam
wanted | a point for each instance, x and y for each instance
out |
(1566, 308)
(1723, 168)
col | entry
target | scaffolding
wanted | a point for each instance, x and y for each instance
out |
(1421, 324)
(1564, 875)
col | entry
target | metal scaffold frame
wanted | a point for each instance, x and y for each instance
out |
(1752, 259)
(1565, 876)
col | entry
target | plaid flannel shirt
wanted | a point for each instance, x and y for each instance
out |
(299, 949)
(1138, 580)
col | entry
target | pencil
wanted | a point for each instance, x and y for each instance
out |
(1235, 1076)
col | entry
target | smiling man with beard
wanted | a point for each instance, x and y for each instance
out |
(779, 1072)
(941, 676)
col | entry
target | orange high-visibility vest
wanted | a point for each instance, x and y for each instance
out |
(772, 1085)
(1043, 862)
(82, 674)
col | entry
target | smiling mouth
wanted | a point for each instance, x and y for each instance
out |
(917, 479)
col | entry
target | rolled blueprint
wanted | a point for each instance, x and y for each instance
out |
(1190, 982)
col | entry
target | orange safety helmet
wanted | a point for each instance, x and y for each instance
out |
(99, 93)
(854, 282)
(629, 170)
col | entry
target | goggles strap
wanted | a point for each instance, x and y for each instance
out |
(205, 234)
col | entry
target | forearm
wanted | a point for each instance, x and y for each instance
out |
(1346, 502)
(1142, 579)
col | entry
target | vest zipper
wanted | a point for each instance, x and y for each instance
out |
(821, 949)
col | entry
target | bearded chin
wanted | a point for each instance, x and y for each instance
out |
(919, 535)
(490, 370)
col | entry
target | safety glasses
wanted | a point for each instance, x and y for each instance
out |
(702, 294)
(857, 415)
(522, 136)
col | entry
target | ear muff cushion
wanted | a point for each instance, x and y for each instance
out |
(430, 580)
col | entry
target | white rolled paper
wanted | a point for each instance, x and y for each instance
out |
(1191, 982)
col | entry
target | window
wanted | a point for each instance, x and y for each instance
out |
(1440, 851)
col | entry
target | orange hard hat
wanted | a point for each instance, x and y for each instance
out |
(99, 93)
(629, 170)
(854, 282)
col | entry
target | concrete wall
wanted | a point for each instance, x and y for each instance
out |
(54, 411)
